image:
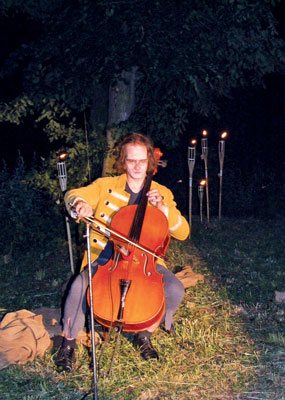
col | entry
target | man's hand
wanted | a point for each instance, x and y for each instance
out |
(83, 209)
(155, 198)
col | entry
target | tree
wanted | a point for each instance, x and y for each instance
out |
(187, 56)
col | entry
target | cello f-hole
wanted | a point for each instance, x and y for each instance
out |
(145, 264)
(113, 267)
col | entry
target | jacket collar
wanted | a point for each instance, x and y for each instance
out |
(121, 182)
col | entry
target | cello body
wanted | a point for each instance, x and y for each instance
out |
(127, 291)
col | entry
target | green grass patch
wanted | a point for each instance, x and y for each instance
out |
(229, 341)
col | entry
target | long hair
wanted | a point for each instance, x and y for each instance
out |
(136, 138)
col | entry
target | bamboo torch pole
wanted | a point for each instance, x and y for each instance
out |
(222, 145)
(204, 156)
(62, 177)
(191, 163)
(201, 195)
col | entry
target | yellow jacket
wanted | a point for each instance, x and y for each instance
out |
(107, 195)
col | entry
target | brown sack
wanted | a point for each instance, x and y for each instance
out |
(188, 277)
(23, 337)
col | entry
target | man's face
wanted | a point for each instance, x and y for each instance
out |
(136, 161)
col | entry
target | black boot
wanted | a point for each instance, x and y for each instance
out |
(65, 356)
(143, 343)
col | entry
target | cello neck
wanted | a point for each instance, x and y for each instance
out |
(140, 211)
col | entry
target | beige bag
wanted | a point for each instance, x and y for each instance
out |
(23, 337)
(188, 277)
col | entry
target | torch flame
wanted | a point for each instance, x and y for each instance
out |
(224, 135)
(204, 133)
(62, 156)
(193, 141)
(203, 182)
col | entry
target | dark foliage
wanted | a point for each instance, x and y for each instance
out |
(32, 235)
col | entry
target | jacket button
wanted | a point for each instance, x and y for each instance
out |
(95, 240)
(109, 190)
(106, 202)
(102, 215)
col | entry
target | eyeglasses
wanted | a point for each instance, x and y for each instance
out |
(135, 162)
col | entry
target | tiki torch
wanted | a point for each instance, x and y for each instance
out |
(204, 156)
(201, 195)
(62, 177)
(222, 145)
(191, 163)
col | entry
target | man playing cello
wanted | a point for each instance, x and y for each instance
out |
(102, 199)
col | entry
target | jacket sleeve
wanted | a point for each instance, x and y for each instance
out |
(90, 194)
(178, 225)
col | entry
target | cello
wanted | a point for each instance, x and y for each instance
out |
(127, 291)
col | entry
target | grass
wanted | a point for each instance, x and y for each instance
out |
(229, 341)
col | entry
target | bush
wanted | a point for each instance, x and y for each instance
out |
(31, 221)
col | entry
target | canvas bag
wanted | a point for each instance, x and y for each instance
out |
(23, 337)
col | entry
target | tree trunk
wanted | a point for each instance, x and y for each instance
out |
(121, 105)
